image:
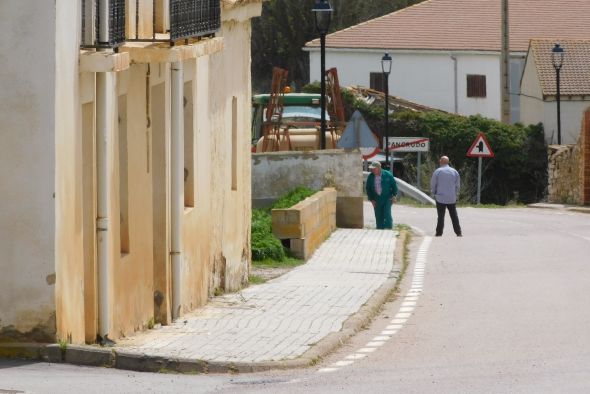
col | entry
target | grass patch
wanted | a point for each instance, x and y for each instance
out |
(256, 280)
(287, 262)
(265, 246)
(293, 197)
(404, 200)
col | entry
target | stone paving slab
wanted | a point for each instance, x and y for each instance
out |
(283, 318)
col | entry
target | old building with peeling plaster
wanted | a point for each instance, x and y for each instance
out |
(125, 157)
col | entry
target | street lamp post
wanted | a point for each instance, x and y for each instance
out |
(323, 14)
(557, 54)
(386, 69)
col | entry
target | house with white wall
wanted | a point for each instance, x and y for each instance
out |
(539, 88)
(446, 53)
(124, 163)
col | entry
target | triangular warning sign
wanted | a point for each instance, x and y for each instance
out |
(480, 147)
(357, 134)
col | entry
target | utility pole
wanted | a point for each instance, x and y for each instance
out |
(505, 65)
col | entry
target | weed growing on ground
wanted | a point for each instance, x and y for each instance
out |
(256, 280)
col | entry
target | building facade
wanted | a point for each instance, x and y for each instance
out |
(125, 163)
(447, 53)
(539, 88)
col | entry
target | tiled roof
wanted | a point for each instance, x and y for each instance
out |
(466, 25)
(575, 72)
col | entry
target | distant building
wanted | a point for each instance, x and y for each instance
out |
(124, 171)
(539, 88)
(446, 53)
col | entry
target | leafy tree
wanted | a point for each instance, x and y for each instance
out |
(284, 27)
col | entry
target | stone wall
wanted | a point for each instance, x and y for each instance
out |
(585, 170)
(569, 169)
(276, 173)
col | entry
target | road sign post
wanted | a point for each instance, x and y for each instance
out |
(480, 148)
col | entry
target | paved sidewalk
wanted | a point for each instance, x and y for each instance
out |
(283, 318)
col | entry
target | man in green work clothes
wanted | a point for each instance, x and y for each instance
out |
(381, 191)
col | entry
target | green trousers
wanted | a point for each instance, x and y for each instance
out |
(383, 214)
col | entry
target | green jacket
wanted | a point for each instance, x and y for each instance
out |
(388, 187)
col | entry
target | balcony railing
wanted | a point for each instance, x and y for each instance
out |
(193, 18)
(183, 19)
(186, 19)
(106, 16)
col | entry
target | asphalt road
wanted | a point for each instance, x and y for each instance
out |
(504, 309)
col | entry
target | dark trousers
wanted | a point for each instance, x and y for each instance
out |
(440, 224)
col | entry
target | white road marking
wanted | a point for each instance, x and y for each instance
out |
(401, 317)
(355, 356)
(324, 370)
(343, 363)
(381, 338)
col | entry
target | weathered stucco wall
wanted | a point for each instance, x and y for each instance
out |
(27, 152)
(69, 258)
(48, 221)
(274, 174)
(230, 95)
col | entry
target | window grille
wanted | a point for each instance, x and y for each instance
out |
(476, 86)
(376, 81)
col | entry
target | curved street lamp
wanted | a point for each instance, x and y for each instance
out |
(323, 14)
(386, 61)
(557, 54)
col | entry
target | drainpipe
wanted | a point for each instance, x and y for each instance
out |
(456, 82)
(177, 182)
(104, 138)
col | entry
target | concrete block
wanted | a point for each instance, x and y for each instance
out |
(21, 350)
(52, 353)
(140, 362)
(278, 216)
(89, 355)
(297, 247)
(286, 231)
(349, 212)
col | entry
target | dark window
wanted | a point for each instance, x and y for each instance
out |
(476, 86)
(376, 81)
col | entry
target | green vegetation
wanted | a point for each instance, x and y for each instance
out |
(287, 262)
(264, 244)
(63, 345)
(293, 197)
(285, 26)
(256, 280)
(517, 173)
(266, 248)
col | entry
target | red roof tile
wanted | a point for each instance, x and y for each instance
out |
(575, 73)
(466, 25)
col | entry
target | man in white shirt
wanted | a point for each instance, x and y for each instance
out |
(444, 185)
